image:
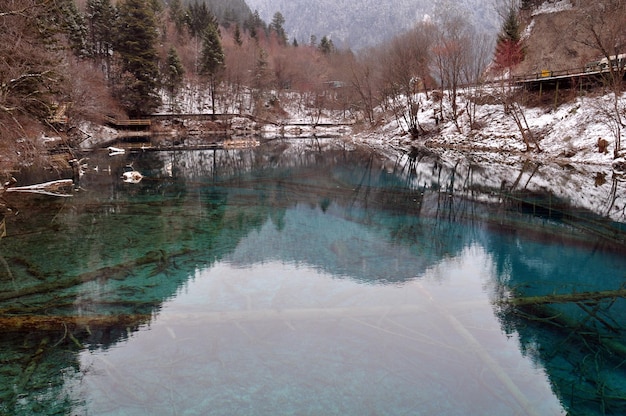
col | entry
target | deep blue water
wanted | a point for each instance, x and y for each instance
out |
(309, 280)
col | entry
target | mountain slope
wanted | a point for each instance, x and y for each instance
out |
(361, 23)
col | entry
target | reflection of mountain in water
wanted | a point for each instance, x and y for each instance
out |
(89, 270)
(377, 250)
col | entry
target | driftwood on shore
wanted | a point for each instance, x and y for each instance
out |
(60, 188)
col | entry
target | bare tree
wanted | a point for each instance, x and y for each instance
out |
(603, 30)
(451, 56)
(406, 71)
(363, 81)
(30, 74)
(473, 74)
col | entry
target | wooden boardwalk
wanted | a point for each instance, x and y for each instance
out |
(566, 78)
(128, 123)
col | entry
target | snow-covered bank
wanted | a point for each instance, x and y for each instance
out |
(567, 134)
(493, 154)
(569, 166)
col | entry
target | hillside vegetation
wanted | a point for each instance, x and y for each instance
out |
(64, 63)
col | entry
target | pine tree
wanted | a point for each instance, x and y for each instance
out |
(198, 18)
(212, 58)
(253, 24)
(100, 18)
(509, 51)
(173, 73)
(177, 15)
(326, 46)
(237, 36)
(136, 51)
(74, 25)
(277, 26)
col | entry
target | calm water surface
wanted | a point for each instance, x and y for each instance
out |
(307, 280)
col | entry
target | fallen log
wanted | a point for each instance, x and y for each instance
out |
(27, 323)
(545, 314)
(54, 188)
(564, 298)
(158, 257)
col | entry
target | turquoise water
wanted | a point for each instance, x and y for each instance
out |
(314, 280)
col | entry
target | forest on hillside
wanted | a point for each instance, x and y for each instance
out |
(129, 58)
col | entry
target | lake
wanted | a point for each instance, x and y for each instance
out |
(314, 277)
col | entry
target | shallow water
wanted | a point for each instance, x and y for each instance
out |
(307, 280)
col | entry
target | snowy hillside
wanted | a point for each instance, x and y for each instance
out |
(570, 165)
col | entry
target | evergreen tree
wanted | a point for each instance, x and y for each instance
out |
(212, 58)
(229, 18)
(100, 18)
(277, 26)
(177, 15)
(509, 51)
(173, 73)
(198, 18)
(326, 46)
(237, 36)
(74, 25)
(138, 58)
(253, 24)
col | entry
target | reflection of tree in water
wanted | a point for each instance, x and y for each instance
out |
(560, 289)
(564, 300)
(90, 271)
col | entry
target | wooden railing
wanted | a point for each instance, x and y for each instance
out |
(137, 122)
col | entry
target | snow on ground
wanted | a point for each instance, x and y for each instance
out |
(552, 7)
(569, 165)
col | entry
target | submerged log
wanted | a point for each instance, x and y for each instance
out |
(545, 314)
(18, 323)
(565, 298)
(158, 257)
